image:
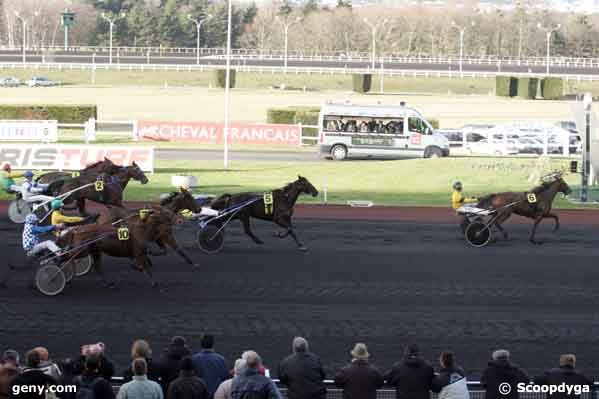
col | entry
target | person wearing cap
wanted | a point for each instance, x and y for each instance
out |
(32, 191)
(31, 232)
(359, 379)
(8, 178)
(412, 376)
(302, 372)
(499, 371)
(59, 218)
(566, 373)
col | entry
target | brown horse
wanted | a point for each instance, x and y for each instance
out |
(109, 239)
(535, 204)
(177, 201)
(111, 192)
(113, 215)
(105, 166)
(284, 200)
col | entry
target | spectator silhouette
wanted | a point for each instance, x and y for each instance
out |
(565, 373)
(209, 365)
(224, 389)
(501, 371)
(359, 379)
(91, 384)
(451, 381)
(187, 385)
(141, 349)
(252, 384)
(170, 363)
(31, 376)
(140, 387)
(412, 377)
(302, 372)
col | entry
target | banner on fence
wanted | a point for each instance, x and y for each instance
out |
(73, 157)
(212, 132)
(44, 131)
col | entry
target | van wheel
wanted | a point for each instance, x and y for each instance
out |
(339, 152)
(433, 152)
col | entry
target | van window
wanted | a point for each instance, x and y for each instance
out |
(417, 125)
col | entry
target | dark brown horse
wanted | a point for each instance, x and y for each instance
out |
(177, 201)
(535, 204)
(113, 215)
(111, 192)
(109, 239)
(105, 166)
(280, 212)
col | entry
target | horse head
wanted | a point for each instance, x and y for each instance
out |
(304, 186)
(556, 178)
(179, 200)
(134, 172)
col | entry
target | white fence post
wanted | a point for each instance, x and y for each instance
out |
(135, 133)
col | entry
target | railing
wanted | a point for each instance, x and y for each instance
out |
(289, 70)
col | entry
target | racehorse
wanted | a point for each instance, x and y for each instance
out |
(177, 201)
(155, 225)
(535, 204)
(105, 166)
(112, 187)
(283, 202)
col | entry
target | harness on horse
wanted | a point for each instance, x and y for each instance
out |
(268, 203)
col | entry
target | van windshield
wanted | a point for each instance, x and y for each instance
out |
(417, 125)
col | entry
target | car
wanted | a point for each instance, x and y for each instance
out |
(9, 82)
(497, 148)
(41, 81)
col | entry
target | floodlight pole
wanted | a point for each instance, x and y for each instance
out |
(111, 24)
(586, 155)
(549, 32)
(373, 28)
(24, 23)
(227, 89)
(462, 30)
(198, 23)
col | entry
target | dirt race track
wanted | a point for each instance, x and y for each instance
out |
(387, 283)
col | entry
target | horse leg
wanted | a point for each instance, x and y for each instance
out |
(245, 221)
(554, 217)
(534, 231)
(81, 206)
(285, 222)
(174, 245)
(97, 265)
(146, 265)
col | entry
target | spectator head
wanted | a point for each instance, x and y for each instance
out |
(501, 354)
(207, 342)
(299, 345)
(178, 341)
(141, 348)
(11, 356)
(32, 359)
(567, 360)
(412, 350)
(360, 352)
(447, 359)
(139, 366)
(44, 355)
(187, 365)
(93, 349)
(252, 360)
(92, 363)
(240, 365)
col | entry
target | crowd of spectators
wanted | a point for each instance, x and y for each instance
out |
(181, 374)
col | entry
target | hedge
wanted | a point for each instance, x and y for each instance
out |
(362, 83)
(62, 113)
(527, 87)
(552, 88)
(280, 115)
(506, 86)
(221, 78)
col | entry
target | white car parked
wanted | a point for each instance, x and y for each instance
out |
(497, 148)
(41, 81)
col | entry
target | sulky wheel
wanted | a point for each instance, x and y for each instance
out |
(82, 265)
(18, 211)
(69, 271)
(210, 239)
(50, 280)
(478, 234)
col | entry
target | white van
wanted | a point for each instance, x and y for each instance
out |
(377, 131)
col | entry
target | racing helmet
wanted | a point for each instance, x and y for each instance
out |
(31, 219)
(457, 185)
(56, 204)
(6, 167)
(28, 174)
